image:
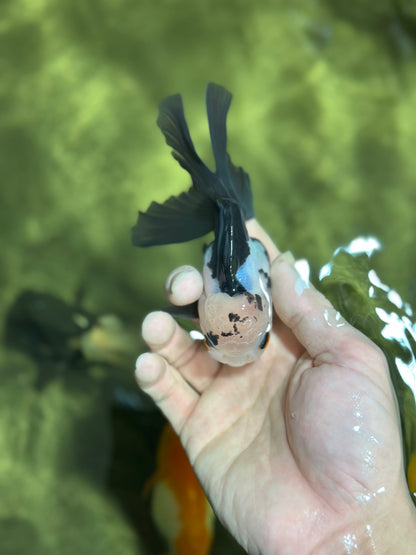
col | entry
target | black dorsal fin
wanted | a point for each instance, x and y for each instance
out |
(230, 247)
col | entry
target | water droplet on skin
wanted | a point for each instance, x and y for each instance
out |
(369, 459)
(350, 543)
(293, 415)
(370, 535)
(333, 319)
(367, 497)
(300, 286)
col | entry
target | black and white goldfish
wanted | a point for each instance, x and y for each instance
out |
(235, 309)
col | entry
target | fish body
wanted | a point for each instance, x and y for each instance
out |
(179, 506)
(235, 309)
(236, 326)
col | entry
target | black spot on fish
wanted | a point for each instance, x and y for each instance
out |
(250, 297)
(236, 332)
(212, 339)
(267, 277)
(254, 299)
(228, 334)
(233, 317)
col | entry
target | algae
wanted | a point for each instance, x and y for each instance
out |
(322, 120)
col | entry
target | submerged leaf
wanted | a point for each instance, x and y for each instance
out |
(378, 311)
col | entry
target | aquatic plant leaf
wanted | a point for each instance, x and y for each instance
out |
(354, 289)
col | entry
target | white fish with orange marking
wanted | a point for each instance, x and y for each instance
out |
(180, 508)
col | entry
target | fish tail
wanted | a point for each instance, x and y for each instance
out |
(218, 102)
(235, 183)
(172, 123)
(190, 214)
(194, 213)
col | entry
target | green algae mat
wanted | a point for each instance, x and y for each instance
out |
(322, 119)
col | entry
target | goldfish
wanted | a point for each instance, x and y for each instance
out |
(179, 506)
(235, 308)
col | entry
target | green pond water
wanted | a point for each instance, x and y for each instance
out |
(322, 119)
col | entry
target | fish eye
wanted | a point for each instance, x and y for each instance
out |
(265, 341)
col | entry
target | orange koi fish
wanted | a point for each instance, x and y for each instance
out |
(179, 506)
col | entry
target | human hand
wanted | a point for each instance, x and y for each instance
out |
(300, 451)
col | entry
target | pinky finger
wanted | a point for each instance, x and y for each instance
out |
(164, 384)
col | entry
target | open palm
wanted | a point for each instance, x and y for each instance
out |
(299, 452)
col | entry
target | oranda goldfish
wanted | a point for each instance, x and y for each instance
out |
(235, 309)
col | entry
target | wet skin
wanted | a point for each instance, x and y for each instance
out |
(300, 451)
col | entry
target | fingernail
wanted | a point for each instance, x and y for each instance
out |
(174, 277)
(171, 280)
(157, 328)
(140, 359)
(146, 371)
(288, 257)
(140, 363)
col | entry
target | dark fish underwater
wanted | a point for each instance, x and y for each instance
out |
(235, 309)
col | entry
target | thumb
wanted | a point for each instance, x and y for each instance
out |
(308, 314)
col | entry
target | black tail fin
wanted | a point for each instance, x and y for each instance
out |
(183, 218)
(218, 102)
(173, 125)
(193, 214)
(235, 182)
